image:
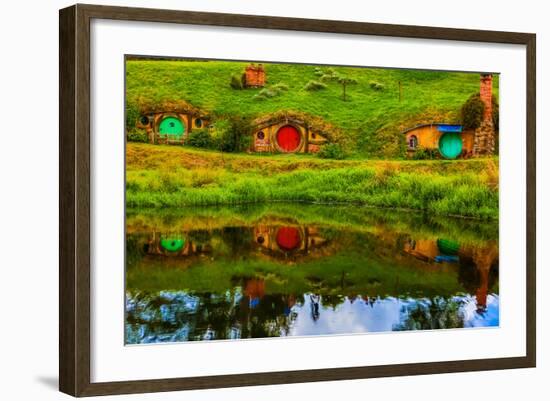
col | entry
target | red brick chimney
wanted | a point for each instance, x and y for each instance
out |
(484, 135)
(254, 76)
(486, 95)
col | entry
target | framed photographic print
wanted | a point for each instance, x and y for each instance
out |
(250, 200)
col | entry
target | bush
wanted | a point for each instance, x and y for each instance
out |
(377, 86)
(236, 82)
(200, 138)
(272, 91)
(425, 154)
(314, 86)
(137, 135)
(280, 87)
(496, 115)
(132, 115)
(233, 135)
(331, 151)
(329, 77)
(472, 112)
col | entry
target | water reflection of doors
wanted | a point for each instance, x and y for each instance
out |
(288, 239)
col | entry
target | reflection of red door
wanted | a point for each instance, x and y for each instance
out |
(288, 138)
(288, 238)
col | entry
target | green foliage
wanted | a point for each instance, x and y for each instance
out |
(426, 154)
(233, 135)
(200, 138)
(272, 91)
(331, 151)
(280, 87)
(137, 135)
(496, 113)
(132, 116)
(472, 112)
(377, 86)
(236, 82)
(314, 86)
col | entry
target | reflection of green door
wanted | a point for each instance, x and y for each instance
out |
(172, 244)
(171, 126)
(450, 145)
(448, 247)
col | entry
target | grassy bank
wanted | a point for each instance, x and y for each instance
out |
(372, 117)
(162, 176)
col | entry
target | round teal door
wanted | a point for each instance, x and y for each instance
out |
(171, 126)
(450, 145)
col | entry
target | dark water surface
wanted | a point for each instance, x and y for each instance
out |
(299, 270)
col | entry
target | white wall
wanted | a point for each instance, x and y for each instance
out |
(29, 184)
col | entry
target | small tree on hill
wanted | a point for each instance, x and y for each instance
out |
(345, 81)
(472, 112)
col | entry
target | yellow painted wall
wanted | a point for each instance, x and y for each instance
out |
(428, 138)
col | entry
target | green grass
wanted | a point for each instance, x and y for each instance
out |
(163, 176)
(372, 118)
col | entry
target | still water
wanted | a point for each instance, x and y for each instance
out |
(301, 270)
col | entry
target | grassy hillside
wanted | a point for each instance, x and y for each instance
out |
(372, 117)
(170, 176)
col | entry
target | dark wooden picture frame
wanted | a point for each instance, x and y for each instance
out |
(74, 203)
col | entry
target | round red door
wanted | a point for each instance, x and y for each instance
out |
(288, 138)
(288, 238)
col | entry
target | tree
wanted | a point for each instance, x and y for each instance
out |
(345, 81)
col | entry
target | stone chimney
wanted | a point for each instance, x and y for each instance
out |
(484, 135)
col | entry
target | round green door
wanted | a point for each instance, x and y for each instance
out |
(450, 145)
(171, 126)
(173, 244)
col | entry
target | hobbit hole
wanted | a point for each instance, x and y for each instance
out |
(171, 123)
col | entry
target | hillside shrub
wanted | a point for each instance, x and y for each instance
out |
(332, 151)
(377, 86)
(272, 91)
(200, 138)
(236, 82)
(132, 115)
(496, 114)
(472, 112)
(313, 86)
(280, 87)
(425, 154)
(233, 135)
(137, 135)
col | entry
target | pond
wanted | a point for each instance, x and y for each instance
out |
(274, 270)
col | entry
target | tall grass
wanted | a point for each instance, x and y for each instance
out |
(437, 190)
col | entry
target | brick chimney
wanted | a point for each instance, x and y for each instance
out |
(484, 135)
(486, 95)
(254, 76)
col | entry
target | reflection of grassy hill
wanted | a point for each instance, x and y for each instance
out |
(164, 176)
(360, 219)
(372, 117)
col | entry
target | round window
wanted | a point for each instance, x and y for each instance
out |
(144, 120)
(198, 123)
(260, 135)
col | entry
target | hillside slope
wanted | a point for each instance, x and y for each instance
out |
(372, 117)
